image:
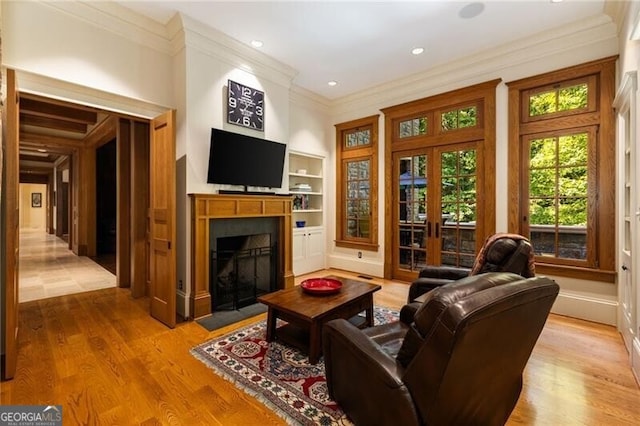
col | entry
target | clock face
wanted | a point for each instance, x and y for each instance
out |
(245, 106)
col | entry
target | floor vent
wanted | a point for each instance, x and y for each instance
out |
(364, 277)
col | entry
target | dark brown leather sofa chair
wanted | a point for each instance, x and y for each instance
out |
(459, 363)
(501, 252)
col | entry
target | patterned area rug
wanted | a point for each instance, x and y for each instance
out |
(278, 375)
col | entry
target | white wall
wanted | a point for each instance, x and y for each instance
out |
(97, 53)
(33, 218)
(45, 39)
(581, 42)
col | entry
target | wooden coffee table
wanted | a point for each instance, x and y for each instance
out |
(306, 313)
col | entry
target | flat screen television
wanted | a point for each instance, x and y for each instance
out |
(236, 159)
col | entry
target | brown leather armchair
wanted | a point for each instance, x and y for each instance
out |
(501, 252)
(460, 362)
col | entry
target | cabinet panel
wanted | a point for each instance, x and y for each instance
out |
(308, 250)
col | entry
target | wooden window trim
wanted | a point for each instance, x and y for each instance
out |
(369, 152)
(604, 186)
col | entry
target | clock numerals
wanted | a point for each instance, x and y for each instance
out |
(245, 106)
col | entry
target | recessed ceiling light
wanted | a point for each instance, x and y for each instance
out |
(332, 83)
(556, 1)
(417, 50)
(471, 10)
(256, 43)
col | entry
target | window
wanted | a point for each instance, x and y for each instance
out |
(414, 127)
(562, 143)
(357, 181)
(459, 118)
(439, 182)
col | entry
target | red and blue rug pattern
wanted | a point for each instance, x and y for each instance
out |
(278, 375)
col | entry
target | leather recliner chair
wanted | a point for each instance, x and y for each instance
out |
(460, 362)
(501, 252)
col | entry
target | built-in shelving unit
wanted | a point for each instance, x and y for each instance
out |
(306, 184)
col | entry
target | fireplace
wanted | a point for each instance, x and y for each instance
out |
(243, 263)
(242, 219)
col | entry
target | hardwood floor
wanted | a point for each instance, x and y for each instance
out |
(102, 357)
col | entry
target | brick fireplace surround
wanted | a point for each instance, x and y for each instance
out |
(204, 208)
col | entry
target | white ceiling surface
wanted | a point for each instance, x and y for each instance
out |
(361, 44)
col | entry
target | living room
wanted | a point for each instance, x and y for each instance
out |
(187, 65)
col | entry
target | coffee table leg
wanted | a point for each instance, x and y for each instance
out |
(271, 324)
(369, 312)
(315, 341)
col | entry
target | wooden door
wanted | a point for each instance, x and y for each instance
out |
(628, 275)
(10, 188)
(162, 214)
(435, 208)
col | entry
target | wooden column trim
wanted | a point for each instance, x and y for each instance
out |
(205, 207)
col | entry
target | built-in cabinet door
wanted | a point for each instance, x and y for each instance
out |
(299, 248)
(629, 175)
(435, 208)
(308, 250)
(315, 249)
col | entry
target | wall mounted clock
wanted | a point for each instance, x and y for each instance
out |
(245, 106)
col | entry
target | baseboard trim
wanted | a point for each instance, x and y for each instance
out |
(586, 308)
(360, 266)
(635, 360)
(182, 304)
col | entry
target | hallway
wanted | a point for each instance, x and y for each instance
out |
(48, 268)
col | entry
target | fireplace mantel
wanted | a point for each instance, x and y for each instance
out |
(205, 207)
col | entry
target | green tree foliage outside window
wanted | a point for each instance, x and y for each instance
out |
(558, 180)
(459, 118)
(413, 127)
(458, 185)
(558, 100)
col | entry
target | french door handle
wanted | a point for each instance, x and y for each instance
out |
(437, 230)
(429, 229)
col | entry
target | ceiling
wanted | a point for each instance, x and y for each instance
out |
(358, 44)
(49, 130)
(361, 44)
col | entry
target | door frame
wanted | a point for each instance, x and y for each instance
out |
(69, 92)
(627, 105)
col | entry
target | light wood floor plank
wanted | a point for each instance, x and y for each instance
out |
(108, 362)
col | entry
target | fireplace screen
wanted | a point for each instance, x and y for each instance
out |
(242, 268)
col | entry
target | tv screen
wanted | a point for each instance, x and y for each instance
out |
(236, 159)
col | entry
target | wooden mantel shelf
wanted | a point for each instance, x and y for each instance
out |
(205, 207)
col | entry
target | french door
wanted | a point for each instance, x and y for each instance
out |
(435, 208)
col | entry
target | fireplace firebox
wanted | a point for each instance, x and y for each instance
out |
(243, 261)
(243, 268)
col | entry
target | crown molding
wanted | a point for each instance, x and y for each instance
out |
(70, 92)
(617, 10)
(486, 65)
(219, 45)
(306, 98)
(117, 19)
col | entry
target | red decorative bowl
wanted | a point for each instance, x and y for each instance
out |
(321, 286)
